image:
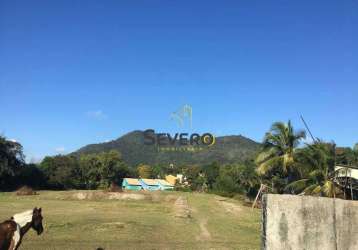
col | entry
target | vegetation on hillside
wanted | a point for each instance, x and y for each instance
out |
(227, 150)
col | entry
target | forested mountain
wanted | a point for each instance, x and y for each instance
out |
(227, 149)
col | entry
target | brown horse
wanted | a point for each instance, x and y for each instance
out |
(13, 231)
(7, 230)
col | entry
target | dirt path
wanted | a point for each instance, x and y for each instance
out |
(204, 232)
(230, 207)
(183, 210)
(181, 207)
(88, 195)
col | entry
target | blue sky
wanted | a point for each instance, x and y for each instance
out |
(79, 72)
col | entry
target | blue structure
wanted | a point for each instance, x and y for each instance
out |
(146, 184)
(149, 184)
(131, 184)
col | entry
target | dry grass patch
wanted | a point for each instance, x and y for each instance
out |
(95, 221)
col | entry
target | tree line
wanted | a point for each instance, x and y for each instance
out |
(285, 164)
(100, 170)
(61, 171)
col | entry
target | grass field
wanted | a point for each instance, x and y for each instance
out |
(159, 220)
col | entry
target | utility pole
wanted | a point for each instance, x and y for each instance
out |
(308, 129)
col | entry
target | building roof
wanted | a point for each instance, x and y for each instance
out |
(150, 182)
(343, 173)
(171, 179)
(351, 172)
(164, 182)
(132, 181)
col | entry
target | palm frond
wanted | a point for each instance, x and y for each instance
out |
(265, 155)
(328, 189)
(317, 190)
(269, 164)
(308, 190)
(315, 174)
(297, 186)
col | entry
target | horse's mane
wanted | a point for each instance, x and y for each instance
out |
(23, 218)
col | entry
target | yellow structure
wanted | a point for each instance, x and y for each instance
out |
(132, 181)
(171, 179)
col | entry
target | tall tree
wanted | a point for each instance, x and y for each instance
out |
(32, 176)
(345, 156)
(144, 171)
(90, 166)
(279, 146)
(100, 170)
(228, 181)
(211, 172)
(11, 161)
(318, 160)
(112, 168)
(248, 178)
(61, 171)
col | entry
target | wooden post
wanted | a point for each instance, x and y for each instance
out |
(350, 175)
(345, 184)
(257, 196)
(334, 172)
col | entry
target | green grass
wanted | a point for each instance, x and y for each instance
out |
(143, 224)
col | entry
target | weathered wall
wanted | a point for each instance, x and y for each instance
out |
(304, 222)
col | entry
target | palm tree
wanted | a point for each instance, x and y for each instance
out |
(279, 146)
(317, 162)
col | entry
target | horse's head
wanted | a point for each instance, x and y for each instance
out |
(37, 220)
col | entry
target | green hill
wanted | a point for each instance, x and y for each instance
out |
(227, 149)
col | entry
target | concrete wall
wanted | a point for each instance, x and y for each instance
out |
(304, 222)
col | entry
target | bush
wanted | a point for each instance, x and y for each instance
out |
(226, 186)
(114, 188)
(25, 190)
(183, 188)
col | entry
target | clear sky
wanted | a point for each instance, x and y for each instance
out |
(78, 72)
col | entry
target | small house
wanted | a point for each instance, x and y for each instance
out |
(131, 184)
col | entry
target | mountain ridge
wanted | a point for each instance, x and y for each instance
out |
(227, 149)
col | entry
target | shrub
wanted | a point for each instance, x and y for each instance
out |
(25, 190)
